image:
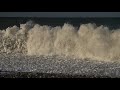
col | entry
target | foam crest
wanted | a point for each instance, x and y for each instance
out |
(87, 41)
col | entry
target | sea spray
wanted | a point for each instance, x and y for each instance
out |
(89, 41)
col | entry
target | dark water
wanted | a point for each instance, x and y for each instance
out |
(112, 23)
(13, 74)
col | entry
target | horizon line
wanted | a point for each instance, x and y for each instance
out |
(60, 14)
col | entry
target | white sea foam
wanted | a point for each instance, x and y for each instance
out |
(89, 41)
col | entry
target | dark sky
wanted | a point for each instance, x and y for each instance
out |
(59, 14)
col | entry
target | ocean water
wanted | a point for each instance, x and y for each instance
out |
(10, 21)
(87, 46)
